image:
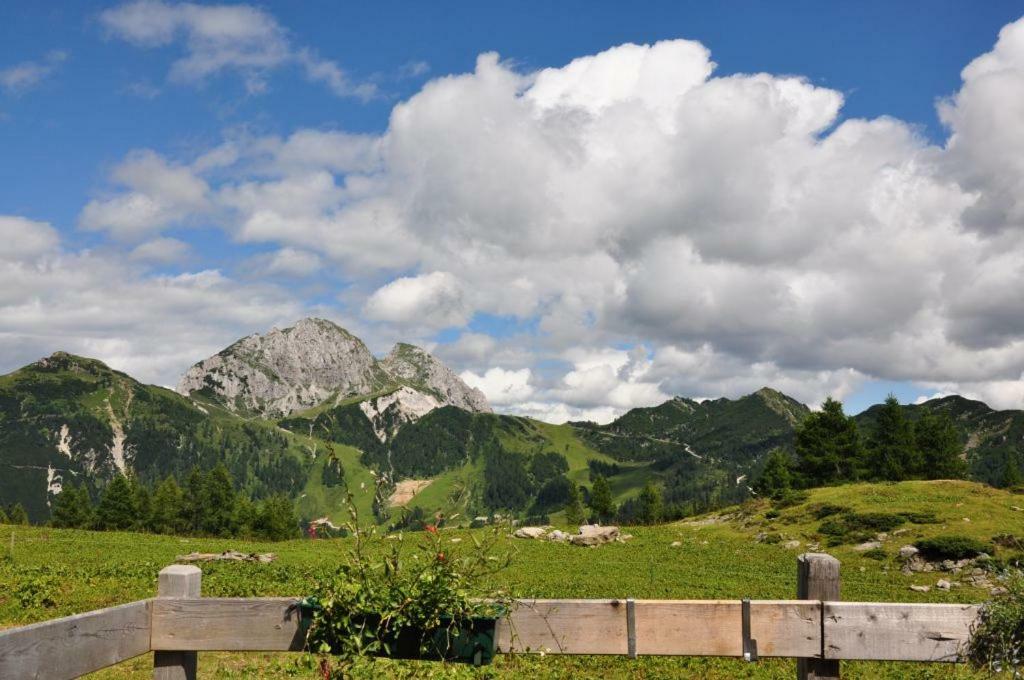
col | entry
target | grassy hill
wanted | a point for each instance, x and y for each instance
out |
(57, 572)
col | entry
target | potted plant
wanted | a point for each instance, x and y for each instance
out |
(426, 598)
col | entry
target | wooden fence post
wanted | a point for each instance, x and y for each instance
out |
(817, 578)
(177, 581)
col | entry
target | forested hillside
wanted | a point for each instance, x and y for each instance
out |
(67, 419)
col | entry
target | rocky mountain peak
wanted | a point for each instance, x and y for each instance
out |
(286, 370)
(316, 361)
(414, 366)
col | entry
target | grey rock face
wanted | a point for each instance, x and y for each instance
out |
(316, 361)
(418, 369)
(287, 370)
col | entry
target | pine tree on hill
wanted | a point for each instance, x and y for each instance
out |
(3, 516)
(277, 520)
(16, 514)
(574, 506)
(649, 505)
(194, 493)
(601, 502)
(1011, 472)
(117, 510)
(143, 499)
(939, 445)
(72, 508)
(169, 509)
(218, 502)
(776, 480)
(245, 517)
(892, 451)
(828, 447)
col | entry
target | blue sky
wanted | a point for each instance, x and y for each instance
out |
(88, 89)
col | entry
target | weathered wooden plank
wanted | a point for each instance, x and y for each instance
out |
(817, 578)
(76, 645)
(663, 627)
(564, 627)
(227, 624)
(714, 627)
(897, 632)
(178, 581)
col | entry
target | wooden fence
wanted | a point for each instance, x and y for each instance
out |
(818, 629)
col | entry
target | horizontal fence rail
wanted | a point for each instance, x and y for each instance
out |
(76, 645)
(178, 623)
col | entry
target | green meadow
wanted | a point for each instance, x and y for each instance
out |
(53, 573)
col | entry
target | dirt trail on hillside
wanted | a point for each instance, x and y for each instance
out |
(406, 489)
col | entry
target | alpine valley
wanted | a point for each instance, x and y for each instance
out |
(310, 412)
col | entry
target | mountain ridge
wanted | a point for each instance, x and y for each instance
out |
(68, 419)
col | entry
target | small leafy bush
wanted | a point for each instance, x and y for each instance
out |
(876, 554)
(37, 589)
(952, 547)
(771, 514)
(387, 598)
(997, 638)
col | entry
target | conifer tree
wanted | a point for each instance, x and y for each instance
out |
(940, 448)
(828, 446)
(1011, 472)
(3, 516)
(574, 506)
(16, 514)
(195, 492)
(117, 509)
(169, 515)
(601, 502)
(72, 508)
(244, 517)
(277, 520)
(776, 480)
(649, 505)
(218, 502)
(143, 499)
(893, 453)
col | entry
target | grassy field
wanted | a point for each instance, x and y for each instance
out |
(58, 572)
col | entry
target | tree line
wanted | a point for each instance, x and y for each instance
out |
(830, 449)
(206, 505)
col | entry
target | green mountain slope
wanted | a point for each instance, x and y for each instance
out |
(70, 419)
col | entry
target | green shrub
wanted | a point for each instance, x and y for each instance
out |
(383, 601)
(997, 638)
(771, 514)
(952, 547)
(876, 554)
(927, 517)
(823, 510)
(789, 499)
(849, 527)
